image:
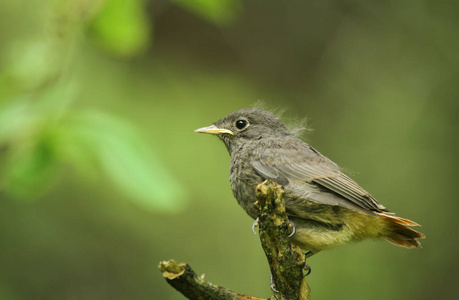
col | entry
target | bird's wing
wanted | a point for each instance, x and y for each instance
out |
(306, 166)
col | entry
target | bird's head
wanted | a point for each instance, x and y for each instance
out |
(246, 125)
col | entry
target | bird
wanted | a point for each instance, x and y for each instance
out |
(327, 207)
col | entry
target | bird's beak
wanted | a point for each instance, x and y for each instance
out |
(212, 129)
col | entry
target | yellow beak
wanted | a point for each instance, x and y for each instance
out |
(212, 129)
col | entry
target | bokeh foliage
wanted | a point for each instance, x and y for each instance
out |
(102, 176)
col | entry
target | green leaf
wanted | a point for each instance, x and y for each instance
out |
(24, 117)
(29, 170)
(220, 12)
(122, 153)
(15, 118)
(27, 125)
(31, 63)
(122, 28)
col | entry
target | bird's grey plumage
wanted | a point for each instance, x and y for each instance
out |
(327, 207)
(291, 162)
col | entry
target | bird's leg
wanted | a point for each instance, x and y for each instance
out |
(309, 254)
(255, 224)
(306, 267)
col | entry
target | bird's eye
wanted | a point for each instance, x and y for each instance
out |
(240, 124)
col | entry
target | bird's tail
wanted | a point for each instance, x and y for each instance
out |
(399, 234)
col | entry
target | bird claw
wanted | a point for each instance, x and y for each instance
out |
(308, 269)
(272, 285)
(255, 224)
(293, 228)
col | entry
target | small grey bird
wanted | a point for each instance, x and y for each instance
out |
(327, 207)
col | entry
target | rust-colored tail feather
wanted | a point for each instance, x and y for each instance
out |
(398, 232)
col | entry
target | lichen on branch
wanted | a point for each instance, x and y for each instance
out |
(285, 260)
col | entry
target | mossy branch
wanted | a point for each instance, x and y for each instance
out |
(192, 286)
(286, 261)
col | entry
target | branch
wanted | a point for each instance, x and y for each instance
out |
(184, 279)
(286, 261)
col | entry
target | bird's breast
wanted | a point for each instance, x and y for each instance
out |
(244, 181)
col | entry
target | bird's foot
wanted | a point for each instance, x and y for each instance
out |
(272, 285)
(308, 269)
(255, 224)
(293, 228)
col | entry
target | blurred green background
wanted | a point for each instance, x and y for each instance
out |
(102, 176)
